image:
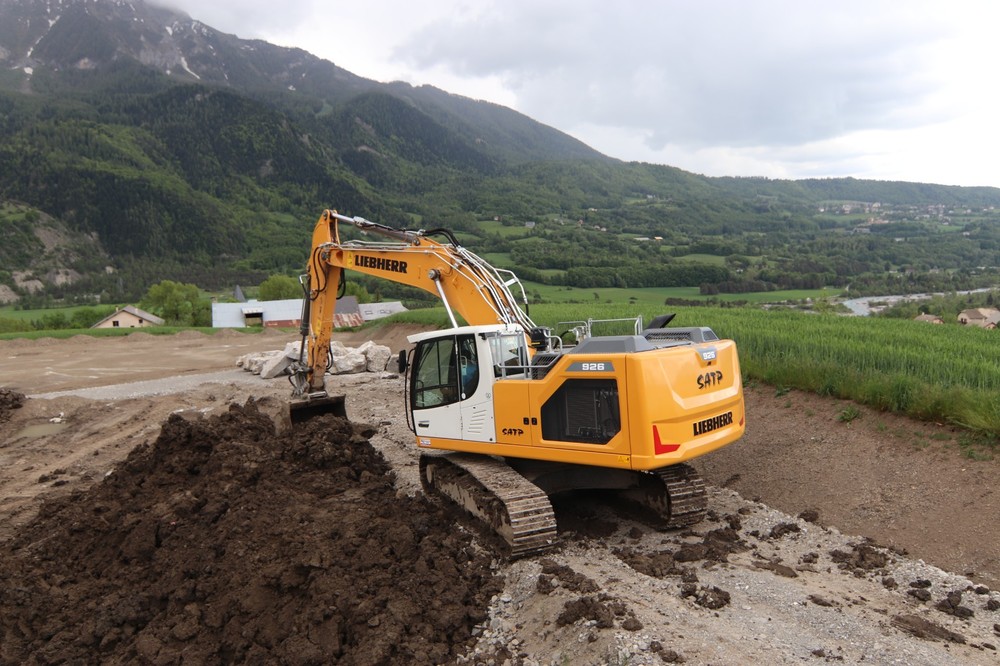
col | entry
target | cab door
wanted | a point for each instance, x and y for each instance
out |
(434, 389)
(450, 395)
(475, 389)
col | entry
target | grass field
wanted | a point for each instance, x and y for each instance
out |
(8, 312)
(658, 295)
(703, 259)
(944, 373)
(494, 227)
(64, 333)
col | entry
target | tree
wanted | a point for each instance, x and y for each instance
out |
(280, 287)
(87, 317)
(179, 304)
(359, 291)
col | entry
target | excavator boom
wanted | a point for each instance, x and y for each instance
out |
(465, 283)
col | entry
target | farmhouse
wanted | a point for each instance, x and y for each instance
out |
(981, 317)
(929, 318)
(129, 317)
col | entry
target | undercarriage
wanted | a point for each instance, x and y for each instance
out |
(510, 498)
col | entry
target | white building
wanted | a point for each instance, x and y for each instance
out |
(288, 313)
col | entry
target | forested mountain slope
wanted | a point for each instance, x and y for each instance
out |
(185, 153)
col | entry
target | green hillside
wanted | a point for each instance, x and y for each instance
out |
(217, 178)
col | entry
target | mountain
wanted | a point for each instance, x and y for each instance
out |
(172, 150)
(55, 39)
(161, 135)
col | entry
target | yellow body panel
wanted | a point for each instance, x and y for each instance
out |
(687, 407)
(674, 406)
(594, 458)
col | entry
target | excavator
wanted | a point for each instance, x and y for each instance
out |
(505, 413)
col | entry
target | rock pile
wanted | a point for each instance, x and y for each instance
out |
(369, 357)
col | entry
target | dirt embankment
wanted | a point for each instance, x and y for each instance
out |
(223, 542)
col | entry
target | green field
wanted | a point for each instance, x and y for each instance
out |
(943, 373)
(8, 312)
(703, 259)
(947, 373)
(658, 295)
(494, 227)
(64, 333)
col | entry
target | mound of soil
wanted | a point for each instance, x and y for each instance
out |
(9, 401)
(225, 542)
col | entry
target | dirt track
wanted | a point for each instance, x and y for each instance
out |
(751, 583)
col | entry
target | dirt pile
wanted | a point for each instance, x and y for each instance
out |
(9, 401)
(224, 542)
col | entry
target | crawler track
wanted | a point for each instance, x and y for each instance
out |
(514, 508)
(519, 513)
(676, 494)
(686, 492)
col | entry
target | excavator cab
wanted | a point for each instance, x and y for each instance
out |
(450, 382)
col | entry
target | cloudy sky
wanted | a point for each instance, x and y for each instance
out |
(780, 88)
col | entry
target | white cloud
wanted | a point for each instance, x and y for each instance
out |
(780, 88)
(247, 18)
(691, 74)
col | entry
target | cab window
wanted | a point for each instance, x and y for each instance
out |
(444, 371)
(509, 354)
(434, 380)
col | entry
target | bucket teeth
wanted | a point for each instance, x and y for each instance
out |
(316, 404)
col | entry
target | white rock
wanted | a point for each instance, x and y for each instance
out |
(378, 356)
(348, 362)
(254, 362)
(275, 366)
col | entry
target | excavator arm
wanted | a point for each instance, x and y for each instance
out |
(466, 284)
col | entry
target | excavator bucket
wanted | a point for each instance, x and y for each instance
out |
(303, 409)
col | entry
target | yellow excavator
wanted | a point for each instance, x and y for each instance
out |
(505, 413)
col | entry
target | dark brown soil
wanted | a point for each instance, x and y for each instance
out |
(224, 542)
(9, 401)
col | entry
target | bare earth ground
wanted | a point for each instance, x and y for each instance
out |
(297, 578)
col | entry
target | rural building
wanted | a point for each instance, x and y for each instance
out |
(288, 313)
(371, 311)
(981, 317)
(129, 317)
(929, 318)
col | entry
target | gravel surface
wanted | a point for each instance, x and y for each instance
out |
(154, 387)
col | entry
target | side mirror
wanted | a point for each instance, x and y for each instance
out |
(401, 362)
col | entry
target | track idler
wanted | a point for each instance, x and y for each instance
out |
(676, 494)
